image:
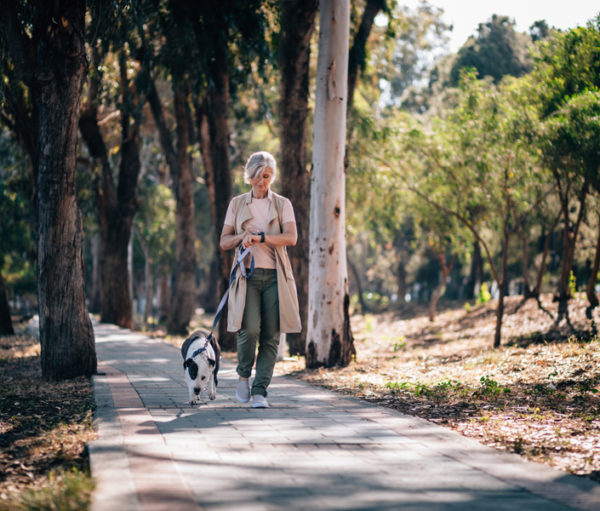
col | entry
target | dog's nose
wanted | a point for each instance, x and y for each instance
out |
(196, 390)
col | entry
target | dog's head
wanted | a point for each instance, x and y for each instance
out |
(200, 367)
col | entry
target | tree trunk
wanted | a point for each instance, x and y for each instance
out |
(164, 292)
(6, 327)
(357, 54)
(183, 297)
(501, 289)
(115, 207)
(66, 333)
(569, 239)
(329, 338)
(537, 289)
(591, 284)
(94, 293)
(297, 25)
(445, 270)
(401, 280)
(148, 284)
(476, 273)
(359, 288)
(527, 291)
(213, 126)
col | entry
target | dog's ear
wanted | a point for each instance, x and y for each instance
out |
(192, 369)
(212, 362)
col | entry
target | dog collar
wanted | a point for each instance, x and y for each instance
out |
(198, 351)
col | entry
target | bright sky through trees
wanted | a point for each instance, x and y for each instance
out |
(465, 15)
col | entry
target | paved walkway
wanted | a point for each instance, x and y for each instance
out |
(313, 449)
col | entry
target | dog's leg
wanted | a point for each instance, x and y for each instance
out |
(212, 389)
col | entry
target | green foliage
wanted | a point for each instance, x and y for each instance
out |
(489, 387)
(402, 54)
(420, 389)
(572, 284)
(484, 295)
(567, 64)
(155, 221)
(17, 235)
(497, 50)
(65, 491)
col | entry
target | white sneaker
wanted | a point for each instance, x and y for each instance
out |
(242, 393)
(259, 401)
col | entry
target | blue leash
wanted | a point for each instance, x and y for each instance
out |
(238, 262)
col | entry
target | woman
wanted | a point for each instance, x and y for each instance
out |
(266, 303)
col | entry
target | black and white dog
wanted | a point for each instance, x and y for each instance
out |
(201, 365)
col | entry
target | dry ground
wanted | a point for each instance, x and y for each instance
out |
(43, 431)
(536, 395)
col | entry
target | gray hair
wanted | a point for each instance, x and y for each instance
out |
(257, 163)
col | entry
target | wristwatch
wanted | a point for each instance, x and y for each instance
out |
(262, 237)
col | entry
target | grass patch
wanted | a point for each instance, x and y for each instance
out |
(64, 491)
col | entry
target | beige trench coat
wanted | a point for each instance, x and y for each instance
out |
(289, 315)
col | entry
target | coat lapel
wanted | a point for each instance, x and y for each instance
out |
(244, 213)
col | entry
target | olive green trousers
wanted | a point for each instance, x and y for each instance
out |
(260, 323)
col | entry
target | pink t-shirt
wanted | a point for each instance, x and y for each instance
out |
(264, 254)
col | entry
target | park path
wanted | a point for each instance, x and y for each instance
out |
(313, 449)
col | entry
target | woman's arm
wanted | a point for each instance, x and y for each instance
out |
(288, 237)
(229, 239)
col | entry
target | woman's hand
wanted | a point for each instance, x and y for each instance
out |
(250, 239)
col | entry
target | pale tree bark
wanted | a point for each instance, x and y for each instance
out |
(329, 338)
(297, 26)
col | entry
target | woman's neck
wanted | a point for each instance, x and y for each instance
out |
(257, 195)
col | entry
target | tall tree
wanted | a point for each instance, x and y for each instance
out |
(497, 50)
(358, 52)
(568, 65)
(297, 26)
(226, 33)
(115, 205)
(46, 46)
(572, 148)
(215, 141)
(183, 297)
(329, 337)
(174, 22)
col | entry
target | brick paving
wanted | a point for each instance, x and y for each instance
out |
(313, 449)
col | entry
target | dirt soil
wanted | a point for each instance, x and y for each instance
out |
(44, 426)
(536, 395)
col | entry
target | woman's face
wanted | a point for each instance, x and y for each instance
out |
(261, 184)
